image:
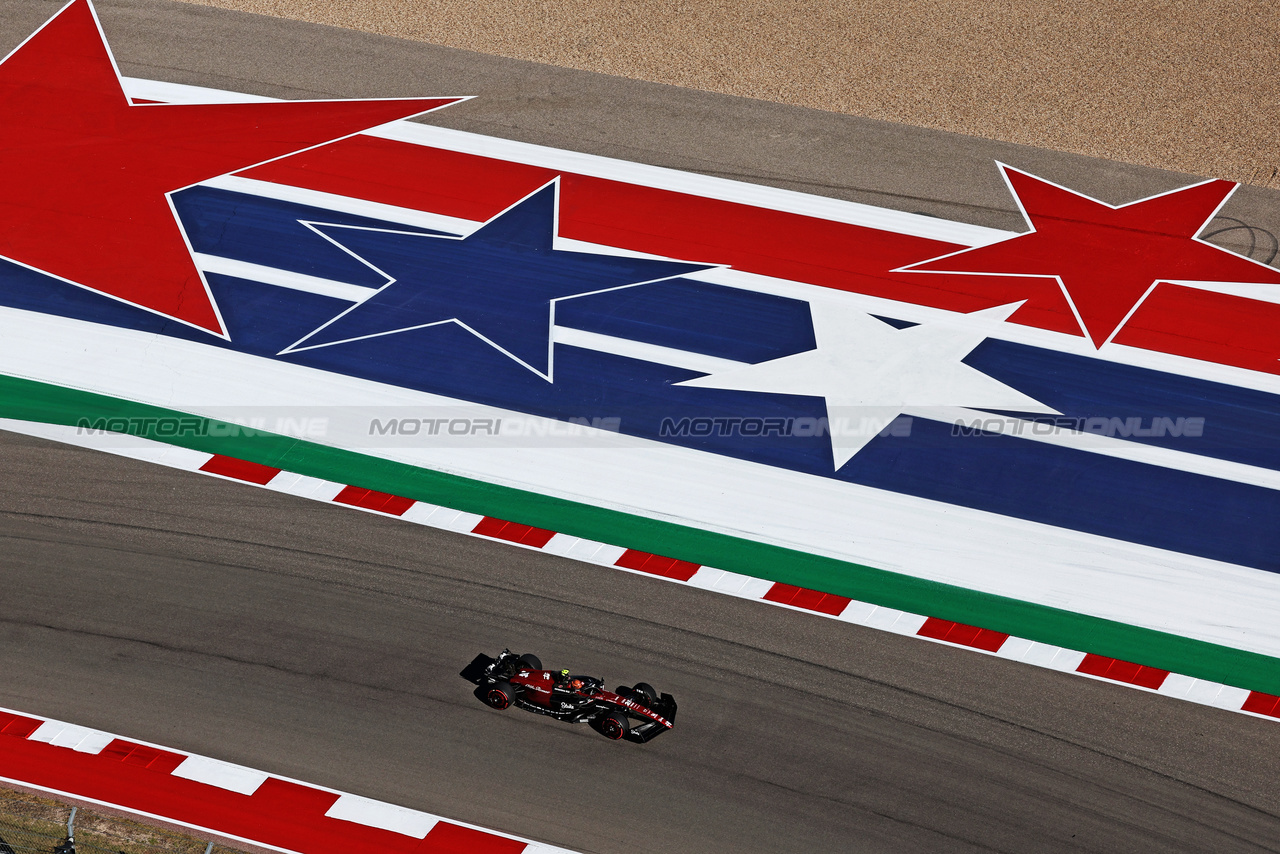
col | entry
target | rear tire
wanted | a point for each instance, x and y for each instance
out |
(499, 696)
(645, 690)
(531, 661)
(613, 726)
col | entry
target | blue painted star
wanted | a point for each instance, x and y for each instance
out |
(501, 282)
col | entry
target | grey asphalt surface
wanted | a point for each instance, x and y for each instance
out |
(323, 643)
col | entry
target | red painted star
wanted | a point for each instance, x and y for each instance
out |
(1108, 259)
(85, 173)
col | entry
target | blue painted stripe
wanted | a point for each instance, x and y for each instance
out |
(729, 323)
(270, 232)
(1161, 507)
(1239, 424)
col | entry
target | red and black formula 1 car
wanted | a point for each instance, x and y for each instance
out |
(519, 680)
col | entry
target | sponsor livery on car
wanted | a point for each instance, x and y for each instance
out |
(638, 713)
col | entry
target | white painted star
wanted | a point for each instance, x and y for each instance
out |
(869, 373)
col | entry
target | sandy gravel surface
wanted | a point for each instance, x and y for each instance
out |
(1166, 83)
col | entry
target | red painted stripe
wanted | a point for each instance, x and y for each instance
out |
(1262, 704)
(1204, 325)
(18, 725)
(446, 838)
(959, 633)
(1122, 671)
(813, 600)
(240, 469)
(664, 222)
(143, 755)
(514, 532)
(666, 567)
(1183, 321)
(371, 499)
(280, 813)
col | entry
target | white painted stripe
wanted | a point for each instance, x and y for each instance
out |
(893, 620)
(1052, 657)
(343, 204)
(282, 278)
(587, 551)
(857, 612)
(181, 93)
(1219, 696)
(382, 815)
(1181, 687)
(453, 520)
(1107, 446)
(420, 512)
(642, 351)
(562, 544)
(732, 583)
(223, 775)
(168, 455)
(1263, 292)
(444, 518)
(78, 738)
(658, 177)
(306, 487)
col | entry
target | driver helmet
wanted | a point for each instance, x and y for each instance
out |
(576, 684)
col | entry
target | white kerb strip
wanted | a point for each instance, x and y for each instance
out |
(224, 775)
(381, 815)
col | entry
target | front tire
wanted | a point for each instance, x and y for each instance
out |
(647, 691)
(499, 696)
(613, 726)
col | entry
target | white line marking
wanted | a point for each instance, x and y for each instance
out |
(282, 278)
(640, 350)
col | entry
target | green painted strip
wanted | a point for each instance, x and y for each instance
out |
(32, 401)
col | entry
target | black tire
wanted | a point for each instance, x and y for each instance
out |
(613, 726)
(622, 691)
(645, 690)
(499, 695)
(531, 661)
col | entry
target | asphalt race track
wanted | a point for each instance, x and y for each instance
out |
(324, 643)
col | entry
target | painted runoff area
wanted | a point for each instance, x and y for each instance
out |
(1180, 613)
(1206, 618)
(801, 599)
(229, 801)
